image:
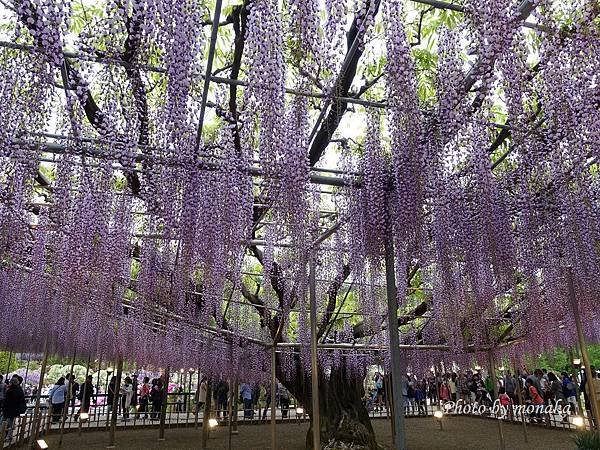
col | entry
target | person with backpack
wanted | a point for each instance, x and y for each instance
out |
(556, 390)
(14, 405)
(569, 391)
(56, 398)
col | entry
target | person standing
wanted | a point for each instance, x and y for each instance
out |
(85, 394)
(246, 394)
(112, 387)
(452, 387)
(157, 399)
(144, 397)
(202, 393)
(73, 385)
(57, 397)
(284, 400)
(462, 388)
(510, 386)
(126, 396)
(14, 405)
(536, 399)
(569, 391)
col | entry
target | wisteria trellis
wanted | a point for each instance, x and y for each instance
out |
(137, 244)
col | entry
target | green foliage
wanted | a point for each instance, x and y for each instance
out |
(4, 366)
(587, 440)
(558, 359)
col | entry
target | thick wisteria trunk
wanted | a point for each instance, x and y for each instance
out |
(343, 416)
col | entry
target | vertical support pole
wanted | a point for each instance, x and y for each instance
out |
(520, 398)
(206, 415)
(84, 395)
(591, 392)
(163, 409)
(492, 367)
(65, 412)
(273, 397)
(314, 369)
(230, 412)
(234, 429)
(396, 388)
(389, 400)
(197, 399)
(188, 401)
(115, 403)
(98, 388)
(35, 424)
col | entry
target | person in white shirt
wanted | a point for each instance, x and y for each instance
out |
(126, 396)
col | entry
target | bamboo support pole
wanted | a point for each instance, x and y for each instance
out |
(590, 390)
(314, 375)
(36, 412)
(115, 403)
(163, 410)
(396, 363)
(65, 412)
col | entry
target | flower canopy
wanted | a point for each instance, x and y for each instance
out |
(169, 168)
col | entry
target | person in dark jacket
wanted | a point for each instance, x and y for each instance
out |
(85, 394)
(111, 393)
(14, 405)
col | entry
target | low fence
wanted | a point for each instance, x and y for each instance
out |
(182, 410)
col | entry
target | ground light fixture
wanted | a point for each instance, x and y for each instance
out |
(576, 361)
(439, 415)
(299, 411)
(578, 421)
(212, 423)
(41, 444)
(110, 370)
(83, 416)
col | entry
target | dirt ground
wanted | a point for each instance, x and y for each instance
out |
(422, 434)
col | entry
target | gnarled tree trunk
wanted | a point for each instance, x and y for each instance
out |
(343, 416)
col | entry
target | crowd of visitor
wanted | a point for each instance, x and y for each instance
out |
(538, 387)
(420, 394)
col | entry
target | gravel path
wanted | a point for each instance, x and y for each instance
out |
(422, 434)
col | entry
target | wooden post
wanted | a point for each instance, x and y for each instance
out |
(492, 367)
(197, 397)
(314, 368)
(115, 403)
(273, 397)
(65, 412)
(23, 423)
(396, 363)
(163, 409)
(591, 391)
(83, 395)
(520, 398)
(234, 429)
(230, 413)
(206, 415)
(35, 424)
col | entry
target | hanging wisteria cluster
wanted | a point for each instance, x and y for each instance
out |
(124, 236)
